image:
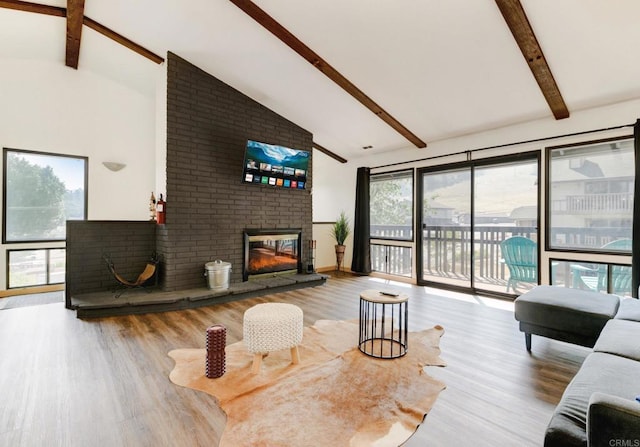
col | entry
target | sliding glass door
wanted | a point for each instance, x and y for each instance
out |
(505, 198)
(467, 212)
(446, 235)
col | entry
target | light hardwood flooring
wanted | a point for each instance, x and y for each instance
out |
(104, 382)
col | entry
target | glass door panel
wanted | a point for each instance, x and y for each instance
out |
(505, 205)
(446, 236)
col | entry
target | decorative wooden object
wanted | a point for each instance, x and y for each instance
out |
(216, 342)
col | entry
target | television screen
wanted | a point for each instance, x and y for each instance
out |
(269, 164)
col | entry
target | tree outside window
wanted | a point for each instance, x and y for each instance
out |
(42, 192)
(391, 205)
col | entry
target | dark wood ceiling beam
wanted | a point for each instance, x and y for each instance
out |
(268, 22)
(75, 14)
(34, 7)
(329, 153)
(518, 23)
(122, 40)
(62, 12)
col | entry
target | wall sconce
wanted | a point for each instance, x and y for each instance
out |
(113, 166)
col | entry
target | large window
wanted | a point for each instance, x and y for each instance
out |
(41, 192)
(590, 210)
(590, 205)
(391, 199)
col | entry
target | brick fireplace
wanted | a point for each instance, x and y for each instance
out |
(208, 205)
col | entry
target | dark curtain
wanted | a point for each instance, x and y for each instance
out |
(361, 260)
(635, 253)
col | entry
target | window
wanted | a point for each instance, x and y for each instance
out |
(35, 267)
(597, 277)
(591, 196)
(391, 259)
(391, 205)
(41, 192)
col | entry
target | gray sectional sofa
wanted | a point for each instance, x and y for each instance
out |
(599, 406)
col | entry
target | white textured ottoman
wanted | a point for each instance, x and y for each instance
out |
(271, 327)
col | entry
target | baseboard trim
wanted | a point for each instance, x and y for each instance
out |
(332, 269)
(31, 290)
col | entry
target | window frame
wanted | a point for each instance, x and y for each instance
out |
(549, 205)
(534, 155)
(387, 248)
(413, 206)
(607, 265)
(5, 155)
(47, 267)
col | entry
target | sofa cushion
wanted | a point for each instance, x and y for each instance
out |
(600, 372)
(629, 309)
(568, 310)
(620, 337)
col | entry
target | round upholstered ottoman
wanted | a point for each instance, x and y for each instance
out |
(271, 327)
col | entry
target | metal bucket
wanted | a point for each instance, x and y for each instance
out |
(217, 273)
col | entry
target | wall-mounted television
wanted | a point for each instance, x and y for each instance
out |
(277, 166)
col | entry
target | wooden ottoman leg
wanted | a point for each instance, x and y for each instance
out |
(295, 355)
(269, 327)
(257, 363)
(527, 340)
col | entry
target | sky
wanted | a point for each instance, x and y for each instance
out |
(68, 170)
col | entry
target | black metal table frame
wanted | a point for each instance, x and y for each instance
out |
(374, 318)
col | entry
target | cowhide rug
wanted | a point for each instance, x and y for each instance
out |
(335, 396)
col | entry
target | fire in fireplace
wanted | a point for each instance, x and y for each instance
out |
(270, 252)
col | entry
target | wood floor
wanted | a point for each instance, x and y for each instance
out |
(104, 382)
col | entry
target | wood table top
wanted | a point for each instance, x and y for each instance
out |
(388, 297)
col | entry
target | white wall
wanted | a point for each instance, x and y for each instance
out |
(334, 183)
(334, 186)
(49, 107)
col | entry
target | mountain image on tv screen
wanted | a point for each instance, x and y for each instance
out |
(270, 164)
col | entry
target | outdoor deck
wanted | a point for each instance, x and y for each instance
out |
(449, 251)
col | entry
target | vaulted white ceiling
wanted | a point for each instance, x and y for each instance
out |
(441, 68)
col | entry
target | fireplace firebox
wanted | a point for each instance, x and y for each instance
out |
(271, 252)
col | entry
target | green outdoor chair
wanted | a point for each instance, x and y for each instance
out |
(520, 254)
(596, 278)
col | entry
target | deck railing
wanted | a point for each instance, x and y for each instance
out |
(594, 203)
(447, 248)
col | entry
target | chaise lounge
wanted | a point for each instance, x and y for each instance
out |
(599, 406)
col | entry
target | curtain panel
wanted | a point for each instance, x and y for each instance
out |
(635, 251)
(361, 260)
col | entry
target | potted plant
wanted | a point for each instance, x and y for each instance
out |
(340, 231)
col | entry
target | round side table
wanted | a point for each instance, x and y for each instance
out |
(383, 324)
